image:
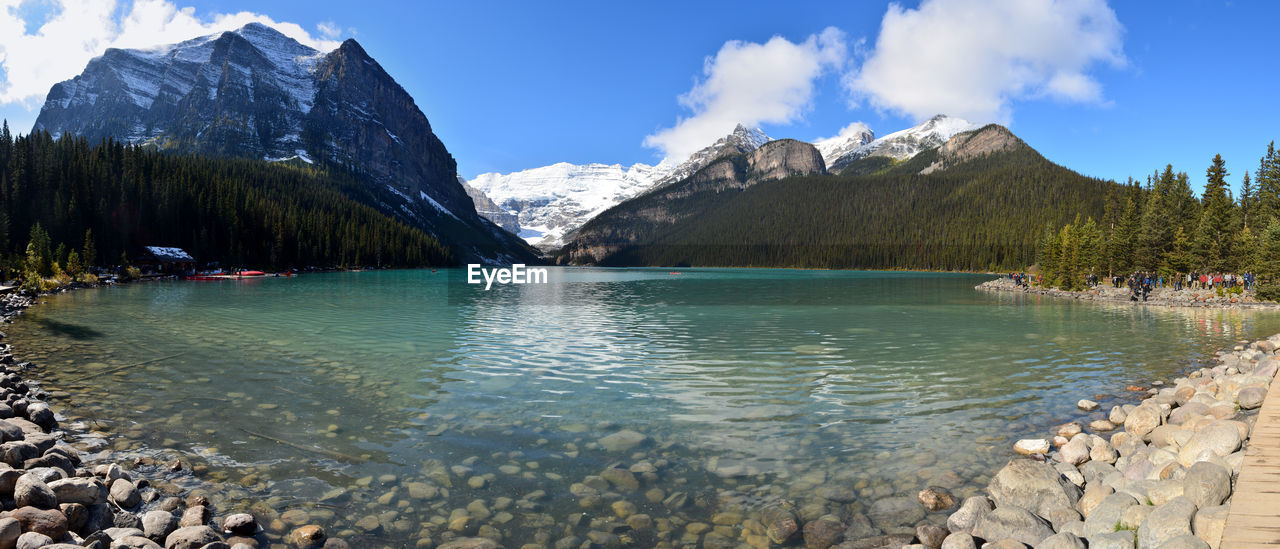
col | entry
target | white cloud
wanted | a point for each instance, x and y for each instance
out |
(751, 83)
(973, 58)
(33, 60)
(855, 128)
(328, 29)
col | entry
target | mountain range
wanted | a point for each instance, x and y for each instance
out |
(551, 201)
(942, 195)
(256, 93)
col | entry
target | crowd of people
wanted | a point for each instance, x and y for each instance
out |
(1141, 284)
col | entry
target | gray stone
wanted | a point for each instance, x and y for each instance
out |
(1093, 496)
(959, 540)
(1142, 420)
(622, 441)
(240, 524)
(191, 537)
(1015, 523)
(85, 491)
(1123, 539)
(972, 510)
(33, 540)
(1032, 485)
(1219, 439)
(134, 542)
(1209, 523)
(1107, 514)
(31, 491)
(10, 529)
(1061, 541)
(125, 494)
(1167, 522)
(1076, 451)
(157, 525)
(823, 533)
(1250, 398)
(897, 511)
(930, 535)
(1185, 541)
(1206, 484)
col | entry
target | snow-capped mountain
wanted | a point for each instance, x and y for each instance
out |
(741, 141)
(850, 138)
(257, 93)
(552, 200)
(904, 144)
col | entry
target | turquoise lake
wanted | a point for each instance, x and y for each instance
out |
(379, 404)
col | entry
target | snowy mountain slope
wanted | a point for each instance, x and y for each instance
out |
(904, 144)
(850, 138)
(552, 200)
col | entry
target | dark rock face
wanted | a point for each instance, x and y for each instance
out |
(256, 93)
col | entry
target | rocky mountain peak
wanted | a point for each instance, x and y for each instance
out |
(989, 139)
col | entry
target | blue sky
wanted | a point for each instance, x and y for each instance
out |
(1121, 92)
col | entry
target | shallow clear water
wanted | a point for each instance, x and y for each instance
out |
(751, 386)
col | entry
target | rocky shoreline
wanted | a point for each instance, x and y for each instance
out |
(1164, 297)
(52, 497)
(1158, 474)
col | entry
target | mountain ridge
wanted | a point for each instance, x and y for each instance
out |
(256, 93)
(978, 201)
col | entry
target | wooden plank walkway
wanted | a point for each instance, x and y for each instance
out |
(1254, 518)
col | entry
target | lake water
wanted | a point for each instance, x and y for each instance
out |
(378, 404)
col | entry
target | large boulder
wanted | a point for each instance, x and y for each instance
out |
(1217, 439)
(191, 537)
(45, 521)
(1032, 485)
(1106, 515)
(31, 491)
(1142, 420)
(1206, 484)
(970, 512)
(1209, 523)
(1166, 523)
(1015, 523)
(85, 491)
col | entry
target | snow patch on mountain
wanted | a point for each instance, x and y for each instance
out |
(904, 144)
(849, 138)
(552, 200)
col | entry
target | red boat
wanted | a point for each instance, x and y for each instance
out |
(250, 273)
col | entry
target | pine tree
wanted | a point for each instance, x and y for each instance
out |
(1268, 262)
(1247, 198)
(1181, 259)
(1268, 184)
(1214, 233)
(1122, 239)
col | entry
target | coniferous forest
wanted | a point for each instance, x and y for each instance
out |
(108, 200)
(1161, 227)
(981, 215)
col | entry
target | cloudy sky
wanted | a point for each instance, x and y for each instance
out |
(1110, 90)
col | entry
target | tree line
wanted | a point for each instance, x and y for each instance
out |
(1161, 227)
(106, 201)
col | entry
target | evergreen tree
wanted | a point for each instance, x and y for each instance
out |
(1268, 262)
(1181, 259)
(89, 250)
(1213, 237)
(1268, 184)
(1247, 198)
(1122, 239)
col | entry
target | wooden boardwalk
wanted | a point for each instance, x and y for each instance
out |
(1254, 518)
